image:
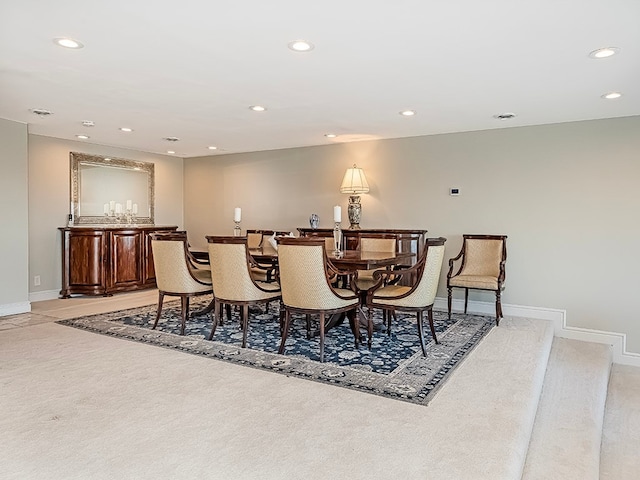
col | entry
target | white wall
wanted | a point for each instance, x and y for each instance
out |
(14, 250)
(49, 199)
(566, 195)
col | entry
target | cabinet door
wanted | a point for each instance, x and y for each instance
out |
(126, 259)
(85, 261)
(149, 272)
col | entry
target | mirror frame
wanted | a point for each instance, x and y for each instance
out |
(98, 160)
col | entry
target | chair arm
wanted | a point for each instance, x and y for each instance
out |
(270, 270)
(451, 264)
(349, 276)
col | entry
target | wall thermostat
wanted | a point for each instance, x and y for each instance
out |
(454, 191)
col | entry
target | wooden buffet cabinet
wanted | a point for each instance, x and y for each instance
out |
(102, 260)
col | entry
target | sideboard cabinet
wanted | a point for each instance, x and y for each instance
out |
(103, 260)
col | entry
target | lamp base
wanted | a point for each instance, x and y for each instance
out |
(354, 211)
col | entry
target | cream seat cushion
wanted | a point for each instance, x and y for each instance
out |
(484, 282)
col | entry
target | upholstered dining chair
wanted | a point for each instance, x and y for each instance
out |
(260, 239)
(374, 242)
(482, 267)
(175, 274)
(305, 279)
(418, 297)
(232, 280)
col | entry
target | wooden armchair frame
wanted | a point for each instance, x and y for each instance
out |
(462, 258)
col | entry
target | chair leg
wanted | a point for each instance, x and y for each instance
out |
(466, 299)
(321, 336)
(354, 324)
(498, 308)
(214, 320)
(285, 330)
(421, 333)
(433, 330)
(449, 301)
(245, 324)
(390, 314)
(160, 300)
(184, 302)
(308, 320)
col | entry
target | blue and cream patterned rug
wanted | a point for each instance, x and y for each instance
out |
(393, 368)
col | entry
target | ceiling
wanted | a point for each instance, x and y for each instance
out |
(191, 69)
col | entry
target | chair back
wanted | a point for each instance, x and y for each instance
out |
(230, 269)
(427, 286)
(379, 243)
(483, 254)
(171, 264)
(254, 238)
(304, 278)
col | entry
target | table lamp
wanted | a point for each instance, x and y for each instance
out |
(354, 183)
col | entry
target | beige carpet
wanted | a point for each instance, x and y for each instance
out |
(78, 405)
(565, 442)
(620, 459)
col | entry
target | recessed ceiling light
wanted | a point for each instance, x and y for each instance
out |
(171, 152)
(212, 148)
(126, 129)
(171, 139)
(88, 123)
(68, 42)
(604, 52)
(611, 95)
(82, 137)
(330, 135)
(301, 46)
(41, 112)
(407, 113)
(504, 116)
(257, 108)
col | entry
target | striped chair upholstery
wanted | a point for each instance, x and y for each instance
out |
(175, 274)
(482, 267)
(306, 288)
(418, 297)
(232, 280)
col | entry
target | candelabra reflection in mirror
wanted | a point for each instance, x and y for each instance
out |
(114, 211)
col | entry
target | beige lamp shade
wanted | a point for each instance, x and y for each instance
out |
(354, 182)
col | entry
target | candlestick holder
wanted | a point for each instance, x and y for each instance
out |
(337, 240)
(237, 231)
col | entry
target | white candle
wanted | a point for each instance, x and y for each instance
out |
(237, 214)
(112, 205)
(135, 208)
(337, 214)
(118, 208)
(129, 205)
(106, 209)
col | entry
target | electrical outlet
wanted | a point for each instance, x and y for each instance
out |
(36, 280)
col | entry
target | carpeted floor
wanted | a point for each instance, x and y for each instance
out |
(394, 367)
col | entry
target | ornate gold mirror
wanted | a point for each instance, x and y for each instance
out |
(108, 190)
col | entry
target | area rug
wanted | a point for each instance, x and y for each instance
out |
(394, 367)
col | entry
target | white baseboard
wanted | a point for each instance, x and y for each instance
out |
(558, 318)
(45, 295)
(14, 308)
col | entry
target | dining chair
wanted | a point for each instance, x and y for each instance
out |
(418, 297)
(259, 239)
(305, 279)
(373, 242)
(482, 267)
(175, 274)
(232, 280)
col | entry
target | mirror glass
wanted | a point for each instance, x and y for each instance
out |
(111, 190)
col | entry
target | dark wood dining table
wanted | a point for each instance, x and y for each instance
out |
(348, 260)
